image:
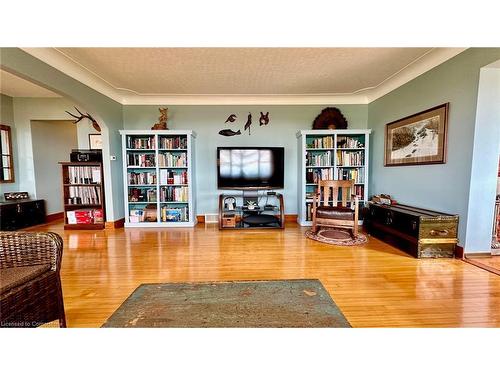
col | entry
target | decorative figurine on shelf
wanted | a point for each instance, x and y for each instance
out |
(82, 116)
(264, 119)
(251, 205)
(231, 118)
(330, 118)
(230, 203)
(162, 120)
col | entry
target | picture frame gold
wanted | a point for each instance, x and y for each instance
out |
(418, 139)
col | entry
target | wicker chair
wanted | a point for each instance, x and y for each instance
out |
(30, 284)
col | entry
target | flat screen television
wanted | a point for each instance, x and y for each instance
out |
(250, 168)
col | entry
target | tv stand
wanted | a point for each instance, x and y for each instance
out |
(268, 212)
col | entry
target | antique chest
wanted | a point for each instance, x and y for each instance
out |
(419, 232)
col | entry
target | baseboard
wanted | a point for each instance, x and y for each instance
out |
(459, 252)
(482, 266)
(289, 218)
(115, 224)
(54, 217)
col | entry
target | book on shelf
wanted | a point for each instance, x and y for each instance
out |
(169, 177)
(348, 142)
(142, 178)
(136, 215)
(168, 159)
(142, 195)
(173, 142)
(84, 195)
(314, 175)
(85, 216)
(140, 160)
(141, 142)
(83, 175)
(174, 194)
(350, 158)
(356, 174)
(173, 214)
(323, 159)
(320, 142)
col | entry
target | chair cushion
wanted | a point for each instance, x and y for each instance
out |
(338, 213)
(16, 276)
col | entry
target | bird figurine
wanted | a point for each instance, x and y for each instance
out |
(264, 119)
(231, 118)
(249, 122)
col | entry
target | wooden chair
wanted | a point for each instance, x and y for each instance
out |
(335, 215)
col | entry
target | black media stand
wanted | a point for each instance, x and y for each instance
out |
(267, 213)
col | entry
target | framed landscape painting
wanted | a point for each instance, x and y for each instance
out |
(417, 139)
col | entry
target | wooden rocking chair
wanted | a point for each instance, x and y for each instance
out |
(335, 215)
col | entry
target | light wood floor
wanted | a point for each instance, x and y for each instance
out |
(374, 285)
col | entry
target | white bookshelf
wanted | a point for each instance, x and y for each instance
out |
(177, 211)
(337, 166)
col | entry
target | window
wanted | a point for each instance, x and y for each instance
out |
(6, 162)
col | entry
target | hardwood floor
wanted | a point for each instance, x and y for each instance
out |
(374, 285)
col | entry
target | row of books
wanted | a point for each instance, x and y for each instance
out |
(169, 177)
(309, 206)
(174, 194)
(173, 142)
(323, 142)
(174, 214)
(141, 160)
(323, 159)
(348, 142)
(314, 175)
(84, 195)
(357, 174)
(350, 158)
(168, 159)
(142, 178)
(84, 175)
(142, 195)
(85, 216)
(141, 143)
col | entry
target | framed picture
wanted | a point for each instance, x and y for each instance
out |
(417, 139)
(95, 141)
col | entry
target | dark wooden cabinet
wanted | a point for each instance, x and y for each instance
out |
(21, 213)
(419, 232)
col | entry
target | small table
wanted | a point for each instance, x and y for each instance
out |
(268, 214)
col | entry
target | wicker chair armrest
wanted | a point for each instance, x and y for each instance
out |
(19, 249)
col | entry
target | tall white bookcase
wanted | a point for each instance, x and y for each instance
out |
(331, 155)
(158, 174)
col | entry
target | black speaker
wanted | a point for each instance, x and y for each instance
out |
(85, 156)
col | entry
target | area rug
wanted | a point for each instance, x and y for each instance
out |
(277, 303)
(339, 237)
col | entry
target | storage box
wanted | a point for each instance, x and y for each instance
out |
(229, 221)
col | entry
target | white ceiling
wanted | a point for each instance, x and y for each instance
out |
(15, 86)
(243, 75)
(244, 71)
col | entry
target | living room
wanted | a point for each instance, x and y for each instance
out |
(190, 187)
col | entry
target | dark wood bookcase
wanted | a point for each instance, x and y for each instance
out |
(83, 194)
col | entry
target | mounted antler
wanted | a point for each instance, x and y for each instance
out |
(82, 116)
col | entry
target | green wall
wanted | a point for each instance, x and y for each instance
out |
(106, 111)
(206, 121)
(7, 118)
(443, 187)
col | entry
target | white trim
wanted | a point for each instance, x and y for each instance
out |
(72, 68)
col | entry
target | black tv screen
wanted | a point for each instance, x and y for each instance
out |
(250, 167)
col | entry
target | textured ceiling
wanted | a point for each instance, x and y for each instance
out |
(15, 86)
(233, 71)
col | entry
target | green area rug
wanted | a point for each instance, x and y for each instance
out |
(277, 303)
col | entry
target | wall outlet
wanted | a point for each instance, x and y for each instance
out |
(112, 157)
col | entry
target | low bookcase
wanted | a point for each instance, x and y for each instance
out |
(158, 177)
(83, 195)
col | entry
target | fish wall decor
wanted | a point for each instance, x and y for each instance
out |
(229, 132)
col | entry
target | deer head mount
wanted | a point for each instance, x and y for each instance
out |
(82, 116)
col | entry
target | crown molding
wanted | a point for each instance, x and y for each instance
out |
(75, 70)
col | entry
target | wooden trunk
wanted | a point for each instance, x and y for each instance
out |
(419, 232)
